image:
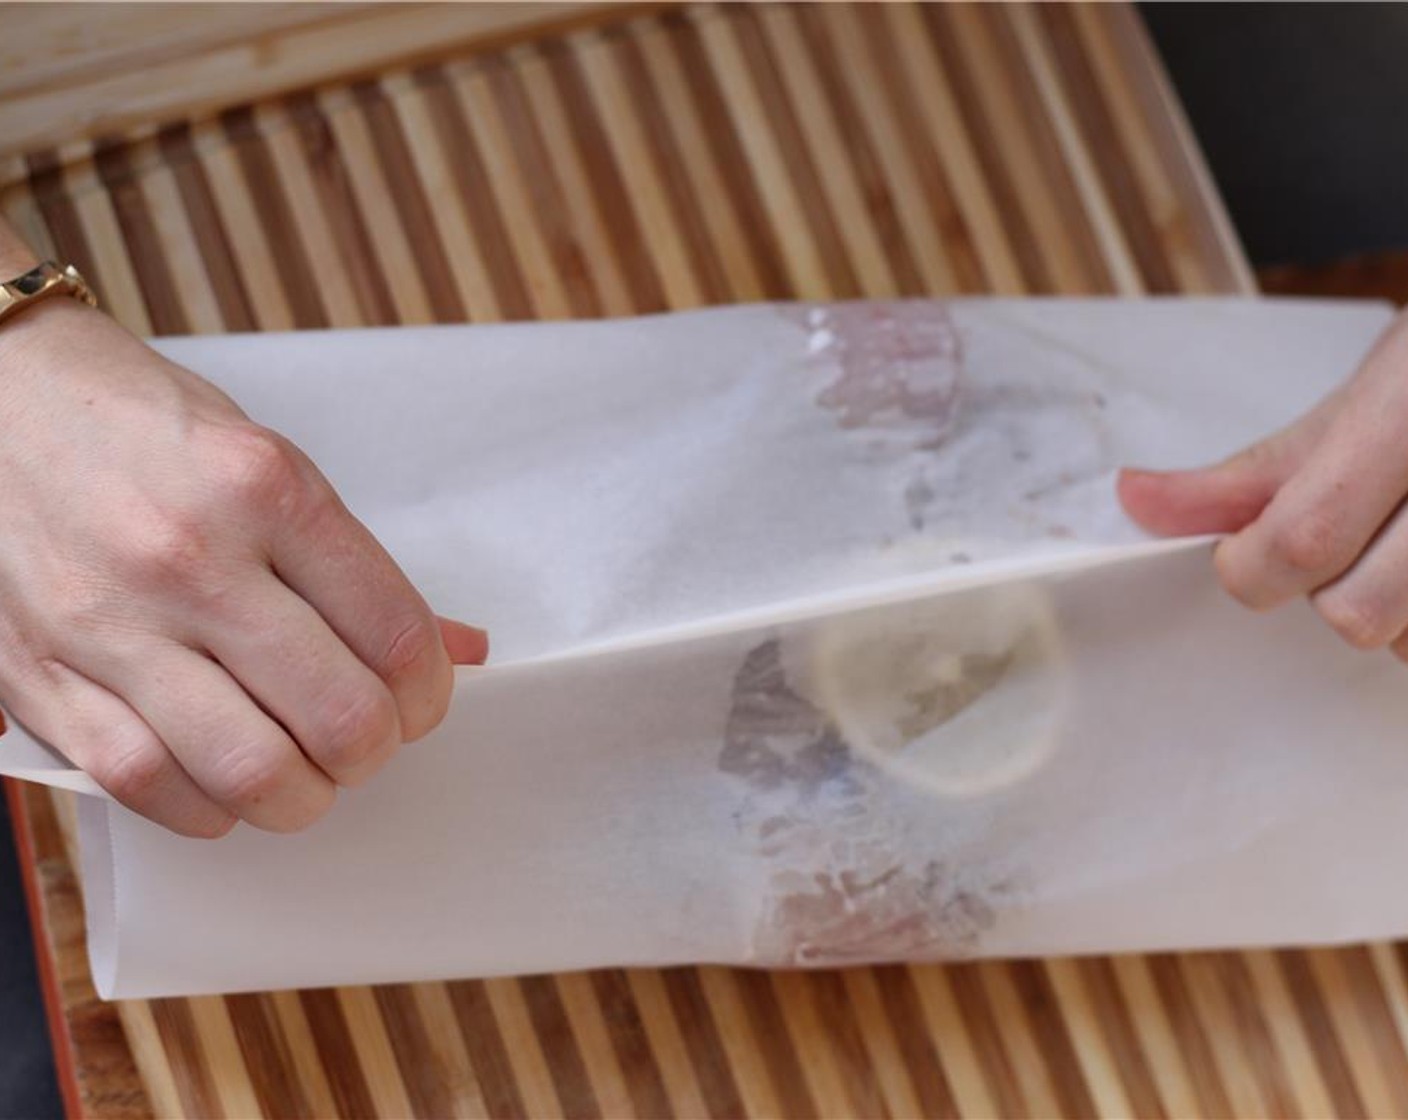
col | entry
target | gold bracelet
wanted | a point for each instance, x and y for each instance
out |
(44, 280)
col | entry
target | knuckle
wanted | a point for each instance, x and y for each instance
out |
(249, 778)
(1311, 544)
(1236, 580)
(132, 769)
(168, 549)
(258, 467)
(356, 727)
(409, 644)
(1357, 621)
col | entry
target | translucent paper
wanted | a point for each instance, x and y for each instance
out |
(819, 638)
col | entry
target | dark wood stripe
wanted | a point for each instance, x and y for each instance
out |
(1320, 1030)
(1372, 1003)
(296, 274)
(51, 195)
(1325, 1042)
(336, 1053)
(680, 194)
(632, 1045)
(485, 1045)
(1258, 1046)
(1041, 136)
(880, 204)
(140, 239)
(921, 1059)
(212, 238)
(938, 189)
(267, 1056)
(1043, 1010)
(988, 1042)
(412, 206)
(95, 1030)
(604, 177)
(735, 172)
(429, 1084)
(549, 206)
(189, 1069)
(1378, 275)
(841, 276)
(564, 1056)
(827, 991)
(1103, 141)
(706, 1048)
(349, 228)
(486, 220)
(1193, 1043)
(775, 1041)
(1117, 1028)
(998, 177)
(1372, 1006)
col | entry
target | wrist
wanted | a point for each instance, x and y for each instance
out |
(24, 333)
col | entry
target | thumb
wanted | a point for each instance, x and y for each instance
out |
(466, 645)
(1218, 499)
(1229, 496)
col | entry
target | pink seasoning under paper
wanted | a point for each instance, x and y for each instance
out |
(901, 365)
(846, 882)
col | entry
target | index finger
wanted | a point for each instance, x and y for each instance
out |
(1347, 487)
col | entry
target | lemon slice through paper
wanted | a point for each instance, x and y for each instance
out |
(960, 693)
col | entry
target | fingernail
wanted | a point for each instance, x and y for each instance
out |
(470, 646)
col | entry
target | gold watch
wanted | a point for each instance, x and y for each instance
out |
(44, 280)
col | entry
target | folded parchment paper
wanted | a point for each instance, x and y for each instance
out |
(819, 637)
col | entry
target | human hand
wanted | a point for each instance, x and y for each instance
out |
(1316, 509)
(186, 607)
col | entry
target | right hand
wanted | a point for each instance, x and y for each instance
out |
(187, 609)
(1318, 509)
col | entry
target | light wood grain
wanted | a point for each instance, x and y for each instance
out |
(51, 45)
(79, 71)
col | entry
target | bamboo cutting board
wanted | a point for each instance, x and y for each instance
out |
(669, 160)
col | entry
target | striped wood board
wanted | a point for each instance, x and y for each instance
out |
(81, 71)
(670, 160)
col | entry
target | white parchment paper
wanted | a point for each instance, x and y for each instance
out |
(818, 637)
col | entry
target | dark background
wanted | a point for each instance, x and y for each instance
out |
(1302, 110)
(27, 1086)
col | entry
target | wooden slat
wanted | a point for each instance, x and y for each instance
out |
(80, 71)
(1370, 276)
(670, 159)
